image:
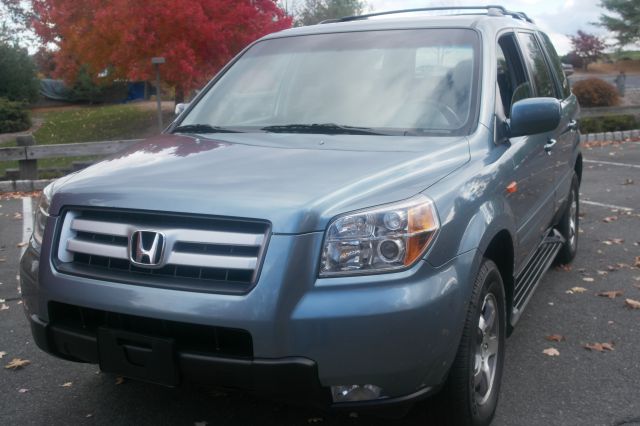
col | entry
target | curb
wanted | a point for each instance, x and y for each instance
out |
(24, 185)
(610, 136)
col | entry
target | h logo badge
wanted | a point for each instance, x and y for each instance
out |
(146, 248)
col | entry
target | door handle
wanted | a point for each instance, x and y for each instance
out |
(549, 145)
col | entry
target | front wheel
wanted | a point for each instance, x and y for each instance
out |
(570, 224)
(470, 394)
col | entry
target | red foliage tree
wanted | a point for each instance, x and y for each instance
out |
(588, 47)
(197, 37)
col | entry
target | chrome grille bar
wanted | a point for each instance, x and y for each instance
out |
(198, 248)
(97, 249)
(178, 235)
(212, 261)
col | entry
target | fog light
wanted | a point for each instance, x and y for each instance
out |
(352, 393)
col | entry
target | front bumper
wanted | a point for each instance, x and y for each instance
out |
(290, 379)
(399, 331)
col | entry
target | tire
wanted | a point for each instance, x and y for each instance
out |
(570, 224)
(462, 401)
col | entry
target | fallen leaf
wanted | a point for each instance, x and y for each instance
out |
(566, 268)
(637, 262)
(23, 390)
(2, 354)
(602, 272)
(599, 347)
(612, 268)
(22, 244)
(617, 241)
(578, 289)
(89, 415)
(67, 384)
(17, 363)
(628, 182)
(555, 338)
(551, 352)
(17, 215)
(610, 294)
(4, 307)
(588, 279)
(315, 420)
(610, 219)
(633, 304)
(353, 415)
(119, 380)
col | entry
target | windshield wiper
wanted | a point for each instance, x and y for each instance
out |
(203, 128)
(328, 128)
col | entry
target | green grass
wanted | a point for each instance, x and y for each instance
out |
(89, 124)
(97, 124)
(631, 54)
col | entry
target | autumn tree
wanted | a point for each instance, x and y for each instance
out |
(624, 20)
(316, 11)
(196, 37)
(588, 47)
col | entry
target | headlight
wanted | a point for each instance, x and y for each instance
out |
(381, 239)
(40, 216)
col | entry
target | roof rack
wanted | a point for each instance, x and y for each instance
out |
(492, 10)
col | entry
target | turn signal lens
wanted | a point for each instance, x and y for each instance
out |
(380, 239)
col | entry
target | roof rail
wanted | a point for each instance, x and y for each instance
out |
(492, 10)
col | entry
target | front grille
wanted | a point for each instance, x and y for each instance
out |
(200, 254)
(188, 337)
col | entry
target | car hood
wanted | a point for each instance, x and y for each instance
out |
(297, 182)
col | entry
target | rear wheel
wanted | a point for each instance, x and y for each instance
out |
(570, 224)
(470, 394)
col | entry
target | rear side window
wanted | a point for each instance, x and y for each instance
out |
(557, 65)
(537, 64)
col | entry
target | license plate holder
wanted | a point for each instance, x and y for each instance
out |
(147, 358)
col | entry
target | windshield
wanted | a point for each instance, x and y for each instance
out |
(380, 82)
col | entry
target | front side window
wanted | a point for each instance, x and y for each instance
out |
(512, 79)
(556, 63)
(538, 67)
(398, 82)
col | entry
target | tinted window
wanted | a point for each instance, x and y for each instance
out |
(402, 81)
(512, 79)
(537, 65)
(557, 65)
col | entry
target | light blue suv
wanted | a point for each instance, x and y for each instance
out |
(352, 214)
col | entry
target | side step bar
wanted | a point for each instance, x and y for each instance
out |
(529, 278)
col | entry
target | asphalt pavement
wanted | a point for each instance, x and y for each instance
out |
(576, 387)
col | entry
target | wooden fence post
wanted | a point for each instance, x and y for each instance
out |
(28, 168)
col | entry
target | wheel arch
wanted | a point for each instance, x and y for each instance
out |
(494, 237)
(501, 251)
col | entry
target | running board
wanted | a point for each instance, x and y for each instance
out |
(531, 275)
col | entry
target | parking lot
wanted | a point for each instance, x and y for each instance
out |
(577, 387)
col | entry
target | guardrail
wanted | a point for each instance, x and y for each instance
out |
(28, 153)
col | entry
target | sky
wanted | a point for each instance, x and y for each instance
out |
(557, 18)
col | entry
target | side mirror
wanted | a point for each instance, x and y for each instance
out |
(534, 115)
(180, 108)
